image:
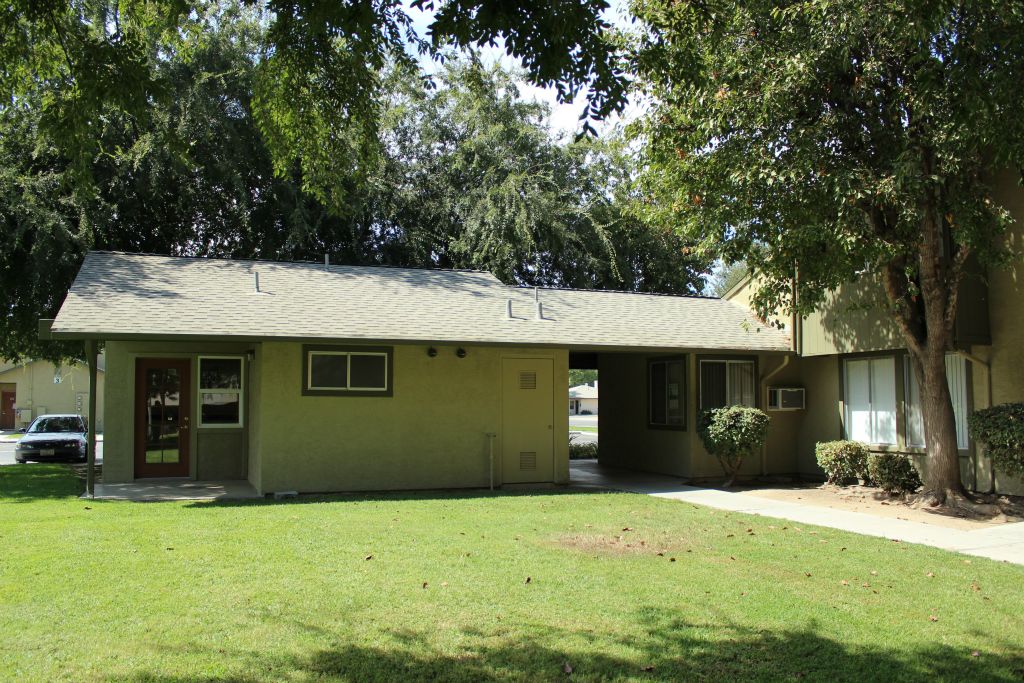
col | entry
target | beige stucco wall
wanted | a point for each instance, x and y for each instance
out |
(627, 441)
(1006, 321)
(432, 433)
(36, 390)
(588, 404)
(216, 452)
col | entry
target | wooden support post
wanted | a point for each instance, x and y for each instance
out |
(90, 437)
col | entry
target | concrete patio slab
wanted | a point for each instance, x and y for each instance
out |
(1003, 542)
(152, 490)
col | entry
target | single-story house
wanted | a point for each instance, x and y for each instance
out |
(309, 377)
(583, 399)
(32, 388)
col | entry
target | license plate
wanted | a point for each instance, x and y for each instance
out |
(46, 451)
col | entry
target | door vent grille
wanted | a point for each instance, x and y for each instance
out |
(528, 460)
(527, 380)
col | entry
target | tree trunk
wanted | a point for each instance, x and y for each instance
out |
(942, 478)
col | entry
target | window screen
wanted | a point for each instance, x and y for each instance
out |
(339, 371)
(870, 400)
(956, 378)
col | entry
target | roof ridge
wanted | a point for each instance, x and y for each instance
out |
(228, 259)
(617, 291)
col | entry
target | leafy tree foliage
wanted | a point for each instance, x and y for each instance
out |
(727, 276)
(317, 92)
(815, 138)
(578, 377)
(461, 175)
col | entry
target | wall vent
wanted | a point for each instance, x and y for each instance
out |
(528, 460)
(527, 380)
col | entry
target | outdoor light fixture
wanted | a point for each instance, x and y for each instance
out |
(460, 352)
(431, 352)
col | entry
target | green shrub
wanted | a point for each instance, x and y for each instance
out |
(893, 473)
(730, 434)
(581, 450)
(843, 461)
(1001, 429)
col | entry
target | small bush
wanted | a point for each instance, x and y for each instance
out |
(581, 450)
(586, 412)
(843, 461)
(731, 434)
(893, 473)
(1001, 429)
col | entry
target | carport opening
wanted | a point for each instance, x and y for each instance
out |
(584, 406)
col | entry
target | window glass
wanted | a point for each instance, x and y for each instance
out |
(220, 373)
(658, 385)
(328, 370)
(368, 371)
(220, 409)
(956, 378)
(870, 400)
(667, 397)
(727, 383)
(220, 392)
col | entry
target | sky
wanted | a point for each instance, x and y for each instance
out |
(564, 122)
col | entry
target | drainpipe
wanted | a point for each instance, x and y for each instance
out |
(762, 388)
(976, 360)
(490, 438)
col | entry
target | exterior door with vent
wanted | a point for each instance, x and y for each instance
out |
(527, 418)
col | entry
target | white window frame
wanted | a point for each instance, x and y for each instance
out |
(728, 381)
(348, 370)
(200, 390)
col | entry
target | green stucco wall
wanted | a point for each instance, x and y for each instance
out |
(628, 441)
(216, 452)
(432, 433)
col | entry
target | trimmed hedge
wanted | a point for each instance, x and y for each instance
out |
(1001, 429)
(843, 461)
(893, 473)
(730, 434)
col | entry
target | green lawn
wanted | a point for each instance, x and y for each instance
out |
(473, 586)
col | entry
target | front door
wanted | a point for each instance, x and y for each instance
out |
(163, 391)
(527, 408)
(7, 401)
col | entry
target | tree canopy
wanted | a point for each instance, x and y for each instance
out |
(817, 140)
(462, 174)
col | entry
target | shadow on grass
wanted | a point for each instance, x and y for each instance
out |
(36, 481)
(398, 496)
(671, 649)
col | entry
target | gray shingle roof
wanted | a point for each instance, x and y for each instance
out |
(133, 296)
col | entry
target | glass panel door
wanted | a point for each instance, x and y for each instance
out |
(162, 417)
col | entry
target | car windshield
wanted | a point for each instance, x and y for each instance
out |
(51, 425)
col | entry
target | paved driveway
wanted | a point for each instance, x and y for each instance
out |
(998, 542)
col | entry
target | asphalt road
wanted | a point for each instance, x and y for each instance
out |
(7, 452)
(583, 421)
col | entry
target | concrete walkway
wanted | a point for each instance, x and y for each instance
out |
(149, 490)
(998, 542)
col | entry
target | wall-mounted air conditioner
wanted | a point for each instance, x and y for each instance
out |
(786, 398)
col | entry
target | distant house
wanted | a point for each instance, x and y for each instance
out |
(583, 399)
(307, 377)
(35, 387)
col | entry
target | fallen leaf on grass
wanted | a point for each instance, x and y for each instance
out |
(671, 559)
(975, 654)
(368, 557)
(425, 584)
(845, 582)
(529, 579)
(567, 668)
(930, 575)
(874, 573)
(932, 617)
(649, 667)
